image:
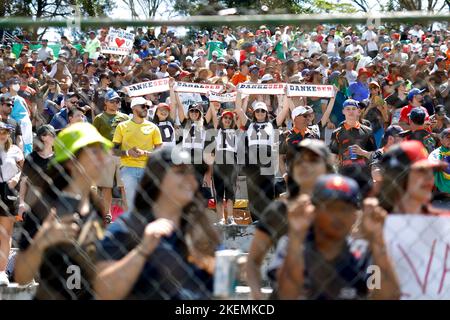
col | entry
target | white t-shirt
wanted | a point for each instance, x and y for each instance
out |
(313, 48)
(9, 159)
(418, 33)
(371, 38)
(354, 49)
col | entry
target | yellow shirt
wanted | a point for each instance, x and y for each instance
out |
(144, 136)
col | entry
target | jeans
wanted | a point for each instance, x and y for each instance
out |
(131, 177)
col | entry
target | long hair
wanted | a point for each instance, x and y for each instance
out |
(196, 228)
(293, 189)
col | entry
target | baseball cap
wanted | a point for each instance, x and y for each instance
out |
(392, 131)
(260, 105)
(163, 62)
(174, 65)
(138, 101)
(414, 92)
(215, 53)
(336, 187)
(222, 61)
(301, 110)
(45, 129)
(195, 106)
(111, 95)
(445, 133)
(13, 81)
(163, 105)
(75, 137)
(350, 103)
(189, 58)
(143, 43)
(362, 71)
(417, 115)
(5, 126)
(317, 146)
(409, 154)
(440, 59)
(227, 112)
(267, 77)
(253, 67)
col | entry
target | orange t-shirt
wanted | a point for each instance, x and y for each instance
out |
(239, 78)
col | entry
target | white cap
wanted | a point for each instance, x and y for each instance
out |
(189, 58)
(300, 110)
(138, 101)
(267, 77)
(259, 105)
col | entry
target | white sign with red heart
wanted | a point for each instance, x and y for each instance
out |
(118, 42)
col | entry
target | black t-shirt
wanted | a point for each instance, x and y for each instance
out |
(422, 135)
(167, 274)
(34, 167)
(344, 137)
(54, 273)
(273, 221)
(343, 278)
(293, 137)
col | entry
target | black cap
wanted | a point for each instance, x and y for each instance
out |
(417, 115)
(45, 129)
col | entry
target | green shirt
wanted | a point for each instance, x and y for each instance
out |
(106, 123)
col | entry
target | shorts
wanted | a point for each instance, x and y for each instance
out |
(8, 207)
(111, 171)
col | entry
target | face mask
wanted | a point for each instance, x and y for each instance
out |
(16, 87)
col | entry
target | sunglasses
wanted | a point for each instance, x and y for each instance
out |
(260, 111)
(8, 104)
(144, 106)
(194, 111)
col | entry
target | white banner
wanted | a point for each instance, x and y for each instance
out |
(118, 42)
(419, 247)
(143, 88)
(262, 88)
(309, 90)
(197, 87)
(223, 97)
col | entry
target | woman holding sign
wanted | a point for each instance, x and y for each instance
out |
(261, 144)
(194, 138)
(225, 163)
(164, 116)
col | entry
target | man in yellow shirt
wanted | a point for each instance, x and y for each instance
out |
(134, 140)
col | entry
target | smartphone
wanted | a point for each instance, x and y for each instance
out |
(67, 205)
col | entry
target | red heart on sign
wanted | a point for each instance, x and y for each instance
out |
(120, 42)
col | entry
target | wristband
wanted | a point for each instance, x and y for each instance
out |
(126, 153)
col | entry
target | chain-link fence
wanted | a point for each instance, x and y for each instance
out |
(264, 163)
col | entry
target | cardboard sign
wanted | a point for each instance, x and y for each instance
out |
(262, 88)
(197, 87)
(118, 42)
(309, 90)
(143, 88)
(419, 247)
(223, 97)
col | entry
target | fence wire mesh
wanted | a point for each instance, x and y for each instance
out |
(263, 163)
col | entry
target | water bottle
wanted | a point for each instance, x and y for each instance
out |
(353, 155)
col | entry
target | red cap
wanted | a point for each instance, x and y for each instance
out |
(410, 154)
(163, 105)
(362, 71)
(230, 113)
(421, 62)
